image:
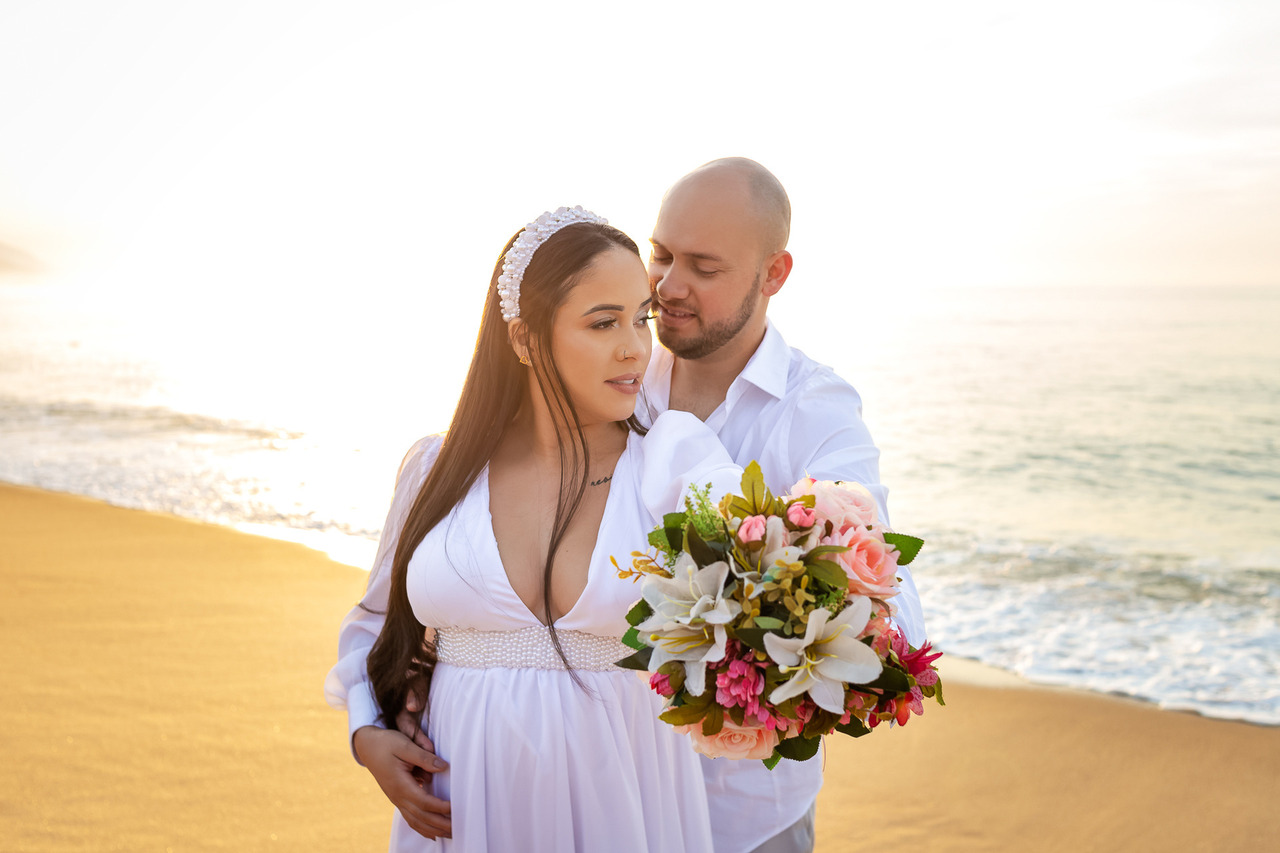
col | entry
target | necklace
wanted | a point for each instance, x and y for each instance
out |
(602, 480)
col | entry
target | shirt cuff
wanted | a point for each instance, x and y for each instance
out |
(362, 710)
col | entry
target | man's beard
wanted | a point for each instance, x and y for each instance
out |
(716, 336)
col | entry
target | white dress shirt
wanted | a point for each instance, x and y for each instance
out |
(794, 417)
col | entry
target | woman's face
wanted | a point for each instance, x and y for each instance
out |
(600, 337)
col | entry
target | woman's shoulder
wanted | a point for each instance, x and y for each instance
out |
(421, 456)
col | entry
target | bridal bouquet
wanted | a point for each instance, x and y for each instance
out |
(765, 621)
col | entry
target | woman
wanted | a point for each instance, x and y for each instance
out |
(499, 543)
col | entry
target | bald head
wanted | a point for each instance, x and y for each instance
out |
(739, 180)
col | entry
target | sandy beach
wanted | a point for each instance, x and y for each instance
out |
(162, 684)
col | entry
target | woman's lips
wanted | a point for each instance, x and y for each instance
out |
(628, 384)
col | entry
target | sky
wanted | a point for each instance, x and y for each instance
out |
(929, 143)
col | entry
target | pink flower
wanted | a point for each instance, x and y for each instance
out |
(918, 663)
(870, 564)
(900, 708)
(751, 529)
(661, 684)
(733, 741)
(740, 683)
(800, 515)
(843, 504)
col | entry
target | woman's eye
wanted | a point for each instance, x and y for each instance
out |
(603, 324)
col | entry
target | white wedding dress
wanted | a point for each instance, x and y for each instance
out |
(538, 762)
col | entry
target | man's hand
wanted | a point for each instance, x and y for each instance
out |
(398, 764)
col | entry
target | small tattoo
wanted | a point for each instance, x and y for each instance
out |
(602, 480)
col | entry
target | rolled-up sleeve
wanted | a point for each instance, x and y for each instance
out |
(831, 442)
(347, 687)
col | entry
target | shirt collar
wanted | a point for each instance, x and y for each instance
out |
(767, 370)
(768, 366)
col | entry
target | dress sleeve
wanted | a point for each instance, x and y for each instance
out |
(347, 685)
(828, 428)
(678, 452)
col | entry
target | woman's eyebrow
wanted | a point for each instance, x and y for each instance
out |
(602, 308)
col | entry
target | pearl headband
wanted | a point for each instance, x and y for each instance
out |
(517, 258)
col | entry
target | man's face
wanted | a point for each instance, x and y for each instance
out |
(705, 266)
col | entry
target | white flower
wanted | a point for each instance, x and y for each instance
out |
(690, 612)
(778, 548)
(827, 657)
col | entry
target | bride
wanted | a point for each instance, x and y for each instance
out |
(498, 543)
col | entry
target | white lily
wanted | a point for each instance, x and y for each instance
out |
(690, 612)
(827, 657)
(777, 545)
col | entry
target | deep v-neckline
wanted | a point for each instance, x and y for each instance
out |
(623, 458)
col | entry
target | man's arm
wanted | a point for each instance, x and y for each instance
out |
(830, 441)
(396, 760)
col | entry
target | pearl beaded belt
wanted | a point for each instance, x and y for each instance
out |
(527, 648)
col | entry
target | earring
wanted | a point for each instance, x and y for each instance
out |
(524, 359)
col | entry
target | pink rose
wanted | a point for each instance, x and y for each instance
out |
(843, 504)
(660, 682)
(870, 564)
(751, 529)
(800, 515)
(733, 741)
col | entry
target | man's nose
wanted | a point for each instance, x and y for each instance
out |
(667, 282)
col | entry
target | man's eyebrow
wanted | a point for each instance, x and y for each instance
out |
(699, 256)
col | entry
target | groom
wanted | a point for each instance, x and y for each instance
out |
(719, 255)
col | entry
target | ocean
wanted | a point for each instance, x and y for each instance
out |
(1095, 470)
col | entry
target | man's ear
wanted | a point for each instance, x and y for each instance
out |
(777, 268)
(518, 336)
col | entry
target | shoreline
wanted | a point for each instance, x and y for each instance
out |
(356, 552)
(165, 683)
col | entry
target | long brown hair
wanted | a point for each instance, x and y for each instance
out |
(401, 658)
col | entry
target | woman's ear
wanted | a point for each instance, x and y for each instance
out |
(518, 336)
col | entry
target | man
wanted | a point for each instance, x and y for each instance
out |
(719, 254)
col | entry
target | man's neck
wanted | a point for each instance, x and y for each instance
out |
(699, 385)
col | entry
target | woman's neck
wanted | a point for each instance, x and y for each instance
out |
(537, 437)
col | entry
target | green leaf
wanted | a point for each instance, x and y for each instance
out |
(853, 728)
(675, 519)
(683, 715)
(767, 622)
(703, 554)
(772, 761)
(908, 546)
(713, 722)
(639, 660)
(753, 637)
(753, 487)
(639, 612)
(799, 748)
(890, 680)
(631, 639)
(829, 573)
